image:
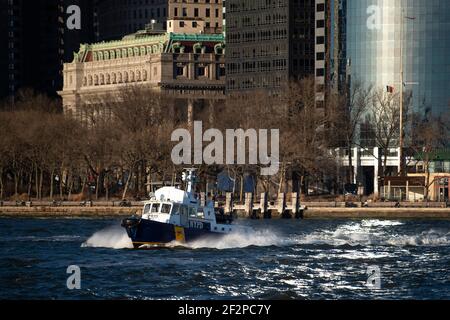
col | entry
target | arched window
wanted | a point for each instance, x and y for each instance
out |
(125, 77)
(198, 48)
(132, 76)
(219, 49)
(102, 79)
(108, 79)
(91, 82)
(138, 75)
(96, 80)
(119, 78)
(114, 78)
(144, 75)
(85, 81)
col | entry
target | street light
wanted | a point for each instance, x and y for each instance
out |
(402, 83)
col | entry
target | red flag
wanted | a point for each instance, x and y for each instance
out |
(390, 89)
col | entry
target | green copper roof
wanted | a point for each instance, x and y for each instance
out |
(131, 41)
(197, 37)
(151, 39)
(140, 43)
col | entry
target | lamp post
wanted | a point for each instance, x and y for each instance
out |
(402, 83)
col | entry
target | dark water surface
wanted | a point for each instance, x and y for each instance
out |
(311, 259)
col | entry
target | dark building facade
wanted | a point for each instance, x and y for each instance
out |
(269, 42)
(117, 18)
(37, 42)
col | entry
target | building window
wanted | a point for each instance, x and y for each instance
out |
(320, 72)
(180, 70)
(201, 71)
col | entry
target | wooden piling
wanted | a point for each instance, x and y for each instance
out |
(264, 204)
(249, 205)
(229, 203)
(281, 203)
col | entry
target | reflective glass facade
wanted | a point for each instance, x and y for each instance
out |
(373, 47)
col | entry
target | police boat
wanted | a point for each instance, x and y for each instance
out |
(175, 216)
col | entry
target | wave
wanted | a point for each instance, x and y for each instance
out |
(111, 238)
(58, 238)
(374, 232)
(365, 233)
(241, 238)
(426, 238)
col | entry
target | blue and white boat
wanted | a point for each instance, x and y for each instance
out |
(176, 216)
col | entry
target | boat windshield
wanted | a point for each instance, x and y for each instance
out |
(155, 207)
(152, 208)
(158, 208)
(166, 208)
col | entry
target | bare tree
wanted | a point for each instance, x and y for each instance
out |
(351, 109)
(429, 135)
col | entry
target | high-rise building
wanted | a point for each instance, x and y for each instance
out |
(117, 18)
(269, 42)
(376, 31)
(37, 42)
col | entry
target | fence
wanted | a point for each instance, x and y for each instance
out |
(403, 193)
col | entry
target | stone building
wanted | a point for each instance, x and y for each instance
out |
(191, 68)
(189, 13)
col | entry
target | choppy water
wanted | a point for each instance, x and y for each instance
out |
(311, 259)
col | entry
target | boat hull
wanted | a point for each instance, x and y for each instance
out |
(147, 233)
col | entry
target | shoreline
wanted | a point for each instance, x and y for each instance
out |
(311, 213)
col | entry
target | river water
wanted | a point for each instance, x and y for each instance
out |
(280, 259)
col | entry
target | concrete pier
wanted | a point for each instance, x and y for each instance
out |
(252, 208)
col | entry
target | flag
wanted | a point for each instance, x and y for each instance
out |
(390, 89)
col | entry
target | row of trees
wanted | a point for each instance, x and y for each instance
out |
(126, 146)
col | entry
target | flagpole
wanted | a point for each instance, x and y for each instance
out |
(402, 168)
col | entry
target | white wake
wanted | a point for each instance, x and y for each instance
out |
(241, 238)
(112, 238)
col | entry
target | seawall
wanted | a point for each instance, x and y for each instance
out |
(311, 213)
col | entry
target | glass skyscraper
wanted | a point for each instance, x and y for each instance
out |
(374, 35)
